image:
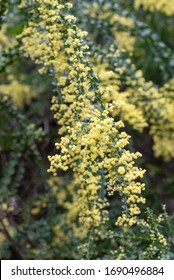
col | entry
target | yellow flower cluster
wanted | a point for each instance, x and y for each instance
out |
(141, 104)
(91, 144)
(110, 85)
(103, 12)
(157, 106)
(63, 190)
(157, 236)
(124, 40)
(164, 6)
(20, 93)
(6, 42)
(39, 205)
(6, 208)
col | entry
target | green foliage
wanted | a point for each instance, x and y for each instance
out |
(130, 62)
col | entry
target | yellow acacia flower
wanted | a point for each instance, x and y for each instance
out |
(95, 10)
(158, 108)
(20, 93)
(164, 6)
(6, 41)
(91, 142)
(110, 87)
(124, 40)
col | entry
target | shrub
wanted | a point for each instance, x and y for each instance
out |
(91, 62)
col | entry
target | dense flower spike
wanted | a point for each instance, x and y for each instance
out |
(92, 143)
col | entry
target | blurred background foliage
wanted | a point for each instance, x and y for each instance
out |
(137, 44)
